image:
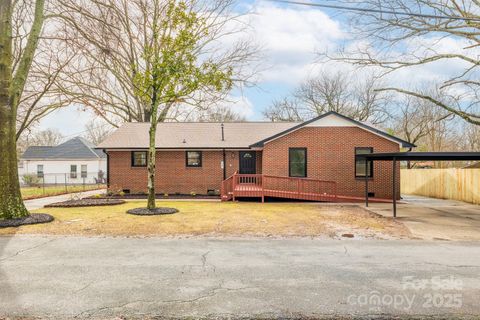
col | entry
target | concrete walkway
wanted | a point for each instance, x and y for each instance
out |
(429, 218)
(104, 278)
(40, 202)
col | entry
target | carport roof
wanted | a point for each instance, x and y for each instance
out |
(425, 156)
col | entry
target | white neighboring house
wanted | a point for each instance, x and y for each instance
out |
(72, 162)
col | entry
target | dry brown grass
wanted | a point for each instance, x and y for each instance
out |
(218, 219)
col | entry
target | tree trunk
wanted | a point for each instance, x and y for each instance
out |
(151, 161)
(11, 203)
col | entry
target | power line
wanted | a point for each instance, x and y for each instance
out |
(331, 6)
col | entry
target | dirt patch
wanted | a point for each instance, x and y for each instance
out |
(222, 219)
(34, 218)
(152, 212)
(87, 202)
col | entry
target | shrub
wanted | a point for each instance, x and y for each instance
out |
(193, 194)
(31, 179)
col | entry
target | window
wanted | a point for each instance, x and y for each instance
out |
(73, 171)
(139, 158)
(360, 164)
(297, 162)
(194, 158)
(84, 171)
(40, 170)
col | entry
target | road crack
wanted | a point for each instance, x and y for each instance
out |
(27, 249)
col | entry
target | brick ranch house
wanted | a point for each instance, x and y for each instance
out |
(198, 156)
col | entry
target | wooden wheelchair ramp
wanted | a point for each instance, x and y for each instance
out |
(261, 186)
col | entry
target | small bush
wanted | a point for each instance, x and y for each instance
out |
(193, 194)
(31, 180)
(165, 195)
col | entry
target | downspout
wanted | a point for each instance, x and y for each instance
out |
(224, 165)
(224, 156)
(108, 168)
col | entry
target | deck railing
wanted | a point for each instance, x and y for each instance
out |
(227, 189)
(258, 185)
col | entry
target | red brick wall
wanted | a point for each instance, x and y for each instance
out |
(331, 156)
(171, 173)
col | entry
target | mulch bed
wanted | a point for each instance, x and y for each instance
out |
(152, 212)
(160, 196)
(87, 202)
(33, 218)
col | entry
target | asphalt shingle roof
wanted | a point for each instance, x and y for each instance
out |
(76, 148)
(194, 134)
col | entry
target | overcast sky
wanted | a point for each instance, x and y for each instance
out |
(289, 36)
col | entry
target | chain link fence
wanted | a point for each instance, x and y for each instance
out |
(44, 184)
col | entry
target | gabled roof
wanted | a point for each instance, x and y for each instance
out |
(198, 135)
(208, 135)
(362, 125)
(76, 148)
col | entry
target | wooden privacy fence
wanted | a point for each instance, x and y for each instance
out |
(455, 184)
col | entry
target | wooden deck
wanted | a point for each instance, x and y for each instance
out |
(261, 186)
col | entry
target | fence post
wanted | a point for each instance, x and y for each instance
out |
(66, 190)
(43, 184)
(83, 183)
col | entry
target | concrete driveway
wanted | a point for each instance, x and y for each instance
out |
(435, 219)
(104, 278)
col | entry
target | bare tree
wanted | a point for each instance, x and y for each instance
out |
(40, 94)
(97, 131)
(112, 39)
(13, 77)
(400, 42)
(471, 138)
(419, 121)
(283, 110)
(49, 137)
(139, 59)
(339, 92)
(218, 114)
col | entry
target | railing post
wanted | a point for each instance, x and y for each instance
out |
(263, 188)
(234, 182)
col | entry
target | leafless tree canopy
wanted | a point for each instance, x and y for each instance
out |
(218, 114)
(41, 94)
(339, 92)
(112, 40)
(421, 122)
(97, 131)
(397, 42)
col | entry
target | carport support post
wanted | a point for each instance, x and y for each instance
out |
(394, 179)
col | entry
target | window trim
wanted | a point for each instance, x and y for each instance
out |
(306, 162)
(73, 174)
(370, 176)
(82, 172)
(200, 162)
(132, 157)
(43, 172)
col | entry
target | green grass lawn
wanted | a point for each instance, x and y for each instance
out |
(197, 218)
(39, 192)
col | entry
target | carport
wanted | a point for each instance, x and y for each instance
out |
(411, 156)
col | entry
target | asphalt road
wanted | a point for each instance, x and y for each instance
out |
(66, 277)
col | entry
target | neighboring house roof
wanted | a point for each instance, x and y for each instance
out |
(208, 135)
(76, 148)
(184, 135)
(362, 125)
